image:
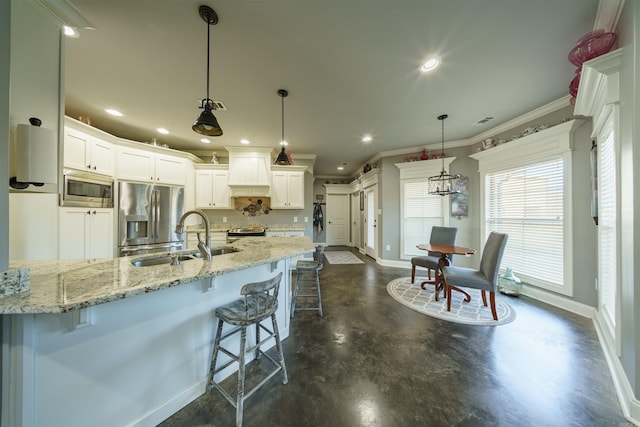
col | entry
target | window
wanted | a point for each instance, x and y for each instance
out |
(420, 210)
(607, 225)
(526, 192)
(527, 203)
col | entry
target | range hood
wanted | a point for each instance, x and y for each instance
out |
(249, 190)
(249, 171)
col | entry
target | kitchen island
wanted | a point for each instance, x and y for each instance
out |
(101, 342)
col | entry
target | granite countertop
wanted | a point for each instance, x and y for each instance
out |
(59, 286)
(223, 227)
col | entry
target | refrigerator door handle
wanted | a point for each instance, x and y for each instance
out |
(156, 215)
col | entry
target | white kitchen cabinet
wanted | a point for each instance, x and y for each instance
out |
(86, 233)
(141, 165)
(212, 191)
(287, 189)
(87, 153)
(218, 238)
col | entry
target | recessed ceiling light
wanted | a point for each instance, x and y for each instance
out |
(430, 64)
(163, 130)
(71, 32)
(340, 168)
(245, 141)
(205, 140)
(284, 143)
(113, 112)
(367, 138)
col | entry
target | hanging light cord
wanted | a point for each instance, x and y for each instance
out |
(282, 141)
(208, 54)
(443, 143)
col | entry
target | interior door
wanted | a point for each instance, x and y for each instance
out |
(371, 233)
(337, 219)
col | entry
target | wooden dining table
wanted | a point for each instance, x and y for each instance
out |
(445, 252)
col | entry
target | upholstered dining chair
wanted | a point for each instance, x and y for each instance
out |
(440, 235)
(485, 279)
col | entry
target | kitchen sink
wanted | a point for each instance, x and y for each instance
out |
(167, 258)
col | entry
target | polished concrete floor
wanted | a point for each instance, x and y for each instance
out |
(371, 361)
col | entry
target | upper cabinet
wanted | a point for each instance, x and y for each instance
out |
(249, 171)
(211, 187)
(141, 165)
(87, 153)
(287, 187)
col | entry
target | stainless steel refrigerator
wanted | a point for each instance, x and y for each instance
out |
(147, 218)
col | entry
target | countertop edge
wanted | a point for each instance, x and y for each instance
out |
(16, 304)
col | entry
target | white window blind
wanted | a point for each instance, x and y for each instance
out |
(421, 211)
(607, 223)
(527, 203)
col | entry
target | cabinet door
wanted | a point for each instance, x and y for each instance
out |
(170, 170)
(218, 238)
(100, 230)
(137, 165)
(204, 189)
(86, 233)
(73, 232)
(296, 190)
(287, 190)
(220, 195)
(279, 190)
(76, 146)
(102, 156)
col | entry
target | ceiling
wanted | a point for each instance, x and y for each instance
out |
(351, 68)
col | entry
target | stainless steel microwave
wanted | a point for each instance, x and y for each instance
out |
(84, 189)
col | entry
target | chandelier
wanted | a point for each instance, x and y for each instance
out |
(445, 183)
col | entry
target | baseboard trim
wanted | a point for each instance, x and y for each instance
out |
(629, 404)
(393, 263)
(559, 301)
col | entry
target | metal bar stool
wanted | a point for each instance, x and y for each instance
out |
(260, 301)
(307, 271)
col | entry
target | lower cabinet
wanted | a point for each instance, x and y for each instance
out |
(217, 239)
(86, 233)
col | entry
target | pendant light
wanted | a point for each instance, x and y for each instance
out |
(206, 124)
(445, 183)
(282, 158)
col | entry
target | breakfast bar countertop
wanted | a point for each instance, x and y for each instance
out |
(59, 286)
(223, 227)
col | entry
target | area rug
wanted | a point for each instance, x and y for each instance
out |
(469, 313)
(342, 257)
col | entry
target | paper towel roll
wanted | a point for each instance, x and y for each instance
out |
(36, 155)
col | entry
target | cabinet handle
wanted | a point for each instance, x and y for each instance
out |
(88, 212)
(95, 167)
(151, 178)
(88, 166)
(94, 212)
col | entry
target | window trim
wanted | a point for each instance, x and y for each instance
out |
(536, 148)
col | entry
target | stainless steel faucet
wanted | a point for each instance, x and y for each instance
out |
(205, 247)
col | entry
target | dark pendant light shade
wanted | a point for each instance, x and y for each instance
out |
(207, 124)
(445, 183)
(282, 158)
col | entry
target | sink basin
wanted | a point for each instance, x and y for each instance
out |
(166, 258)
